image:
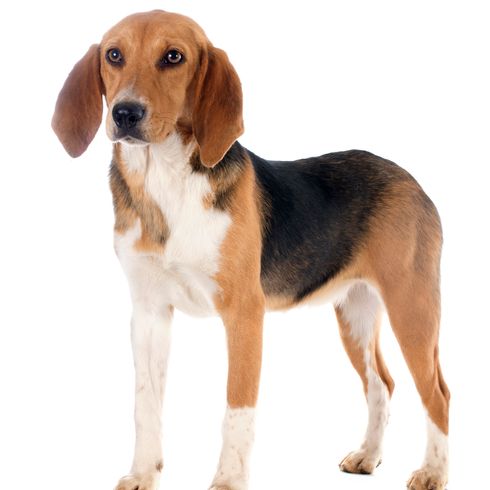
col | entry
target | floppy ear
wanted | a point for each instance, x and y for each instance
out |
(217, 119)
(78, 111)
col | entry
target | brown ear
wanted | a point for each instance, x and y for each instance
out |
(217, 119)
(78, 111)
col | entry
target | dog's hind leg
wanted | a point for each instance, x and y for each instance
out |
(402, 259)
(359, 317)
(413, 308)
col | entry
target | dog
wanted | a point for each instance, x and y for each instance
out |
(204, 225)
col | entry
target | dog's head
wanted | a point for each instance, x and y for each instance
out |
(159, 74)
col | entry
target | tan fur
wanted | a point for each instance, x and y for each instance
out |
(209, 200)
(183, 95)
(143, 42)
(78, 111)
(217, 117)
(356, 354)
(381, 368)
(401, 257)
(279, 303)
(240, 301)
(180, 98)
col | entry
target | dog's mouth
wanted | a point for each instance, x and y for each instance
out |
(131, 140)
(131, 136)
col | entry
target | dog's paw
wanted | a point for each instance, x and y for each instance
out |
(360, 462)
(137, 482)
(427, 479)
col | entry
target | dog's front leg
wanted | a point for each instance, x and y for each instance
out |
(244, 339)
(150, 335)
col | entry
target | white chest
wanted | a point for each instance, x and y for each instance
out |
(182, 274)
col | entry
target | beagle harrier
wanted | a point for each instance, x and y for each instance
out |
(204, 225)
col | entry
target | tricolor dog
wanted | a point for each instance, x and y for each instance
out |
(204, 225)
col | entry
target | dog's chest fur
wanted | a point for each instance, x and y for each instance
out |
(181, 272)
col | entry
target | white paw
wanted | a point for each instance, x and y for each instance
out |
(427, 479)
(361, 462)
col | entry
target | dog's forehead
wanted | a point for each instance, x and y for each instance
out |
(156, 24)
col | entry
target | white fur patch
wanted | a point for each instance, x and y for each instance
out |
(359, 308)
(378, 400)
(238, 437)
(437, 453)
(182, 275)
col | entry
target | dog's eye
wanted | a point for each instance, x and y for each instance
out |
(114, 56)
(172, 57)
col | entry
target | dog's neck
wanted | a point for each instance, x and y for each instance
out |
(177, 157)
(172, 154)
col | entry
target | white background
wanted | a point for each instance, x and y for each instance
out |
(406, 80)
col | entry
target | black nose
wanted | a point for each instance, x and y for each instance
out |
(127, 114)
